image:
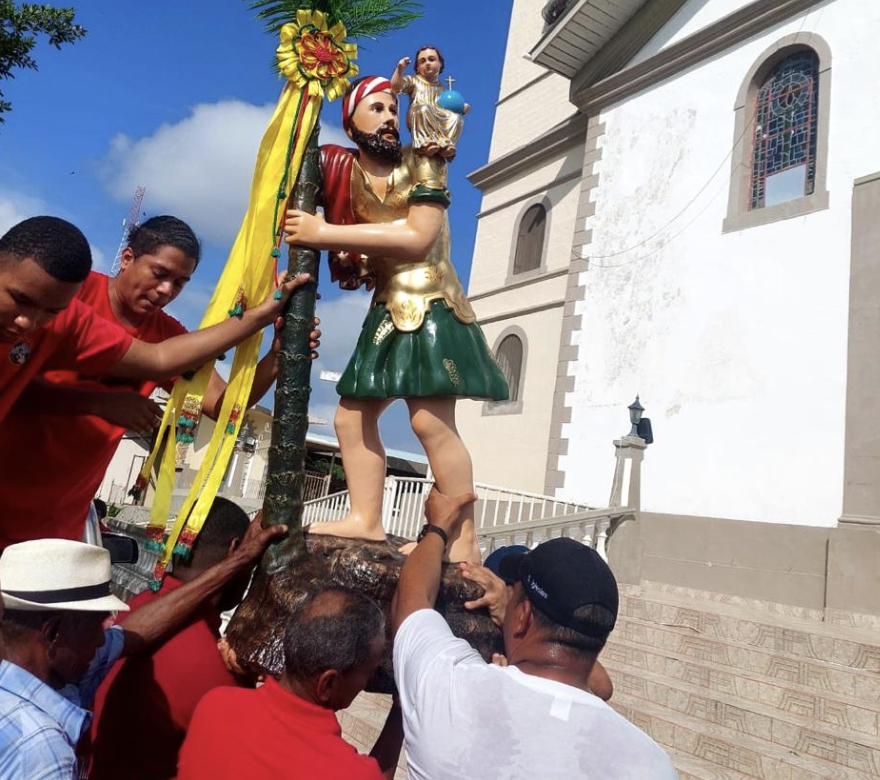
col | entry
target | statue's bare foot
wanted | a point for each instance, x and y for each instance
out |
(470, 551)
(448, 153)
(428, 150)
(349, 528)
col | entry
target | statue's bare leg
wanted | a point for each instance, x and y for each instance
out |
(433, 421)
(363, 457)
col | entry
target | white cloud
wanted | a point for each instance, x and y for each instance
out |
(14, 207)
(199, 168)
(99, 261)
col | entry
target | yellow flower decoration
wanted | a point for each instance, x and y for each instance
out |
(315, 57)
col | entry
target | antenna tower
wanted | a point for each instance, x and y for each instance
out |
(127, 225)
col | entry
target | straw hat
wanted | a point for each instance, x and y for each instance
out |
(57, 574)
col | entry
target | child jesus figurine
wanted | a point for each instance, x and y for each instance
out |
(435, 130)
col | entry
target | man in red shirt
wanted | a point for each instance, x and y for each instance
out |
(333, 643)
(149, 699)
(161, 256)
(44, 327)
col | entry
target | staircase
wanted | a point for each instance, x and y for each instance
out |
(742, 694)
(731, 693)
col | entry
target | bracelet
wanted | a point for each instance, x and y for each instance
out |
(429, 528)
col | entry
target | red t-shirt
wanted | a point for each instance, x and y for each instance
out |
(74, 450)
(149, 700)
(268, 734)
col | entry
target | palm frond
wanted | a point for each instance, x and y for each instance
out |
(362, 18)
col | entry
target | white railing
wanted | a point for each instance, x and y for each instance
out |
(403, 507)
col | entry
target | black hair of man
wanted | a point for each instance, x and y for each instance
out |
(225, 522)
(54, 244)
(149, 237)
(18, 623)
(332, 628)
(100, 507)
(439, 57)
(600, 617)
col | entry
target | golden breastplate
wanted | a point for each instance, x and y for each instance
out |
(407, 289)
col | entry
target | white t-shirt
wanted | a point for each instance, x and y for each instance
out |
(464, 718)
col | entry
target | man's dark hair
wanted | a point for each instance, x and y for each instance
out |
(225, 521)
(18, 623)
(54, 244)
(149, 237)
(598, 616)
(439, 57)
(333, 628)
(100, 507)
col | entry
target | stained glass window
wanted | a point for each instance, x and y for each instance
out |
(784, 160)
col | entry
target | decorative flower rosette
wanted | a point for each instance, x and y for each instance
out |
(316, 57)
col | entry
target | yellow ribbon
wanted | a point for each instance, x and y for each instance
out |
(316, 61)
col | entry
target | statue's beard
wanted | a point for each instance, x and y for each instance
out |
(376, 145)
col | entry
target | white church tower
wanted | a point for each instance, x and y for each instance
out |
(683, 201)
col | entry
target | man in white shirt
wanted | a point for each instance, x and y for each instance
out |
(535, 718)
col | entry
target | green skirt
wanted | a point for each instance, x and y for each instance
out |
(444, 357)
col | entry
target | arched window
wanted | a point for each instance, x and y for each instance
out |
(530, 239)
(779, 159)
(786, 125)
(510, 359)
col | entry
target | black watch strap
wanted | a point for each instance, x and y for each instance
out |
(428, 528)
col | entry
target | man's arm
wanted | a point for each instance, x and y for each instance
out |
(408, 241)
(386, 751)
(190, 350)
(420, 576)
(265, 375)
(124, 408)
(154, 622)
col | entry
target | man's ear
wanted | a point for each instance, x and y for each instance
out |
(51, 630)
(523, 618)
(233, 546)
(126, 258)
(325, 687)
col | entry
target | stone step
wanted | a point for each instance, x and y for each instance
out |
(683, 642)
(728, 749)
(802, 734)
(363, 721)
(856, 649)
(823, 707)
(692, 768)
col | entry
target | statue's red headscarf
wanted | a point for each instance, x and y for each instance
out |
(367, 86)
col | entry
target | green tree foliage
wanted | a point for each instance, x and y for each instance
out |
(369, 19)
(19, 26)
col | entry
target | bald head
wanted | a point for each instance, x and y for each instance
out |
(333, 628)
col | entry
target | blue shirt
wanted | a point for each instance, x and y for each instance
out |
(39, 728)
(82, 693)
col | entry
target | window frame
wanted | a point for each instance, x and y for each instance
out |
(491, 408)
(541, 268)
(740, 214)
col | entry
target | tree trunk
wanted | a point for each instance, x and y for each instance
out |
(283, 502)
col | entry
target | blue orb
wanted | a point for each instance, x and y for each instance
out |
(451, 101)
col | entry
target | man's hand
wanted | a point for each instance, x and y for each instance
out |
(495, 593)
(256, 540)
(314, 337)
(303, 228)
(445, 511)
(129, 410)
(270, 309)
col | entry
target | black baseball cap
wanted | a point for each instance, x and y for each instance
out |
(561, 575)
(493, 562)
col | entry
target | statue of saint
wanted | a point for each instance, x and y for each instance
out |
(434, 129)
(385, 226)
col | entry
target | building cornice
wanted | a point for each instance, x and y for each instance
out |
(551, 144)
(591, 92)
(516, 285)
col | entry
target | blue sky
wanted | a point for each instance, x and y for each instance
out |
(175, 96)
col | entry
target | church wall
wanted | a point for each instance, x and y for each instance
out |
(509, 449)
(736, 342)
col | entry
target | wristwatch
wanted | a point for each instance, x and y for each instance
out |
(428, 528)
